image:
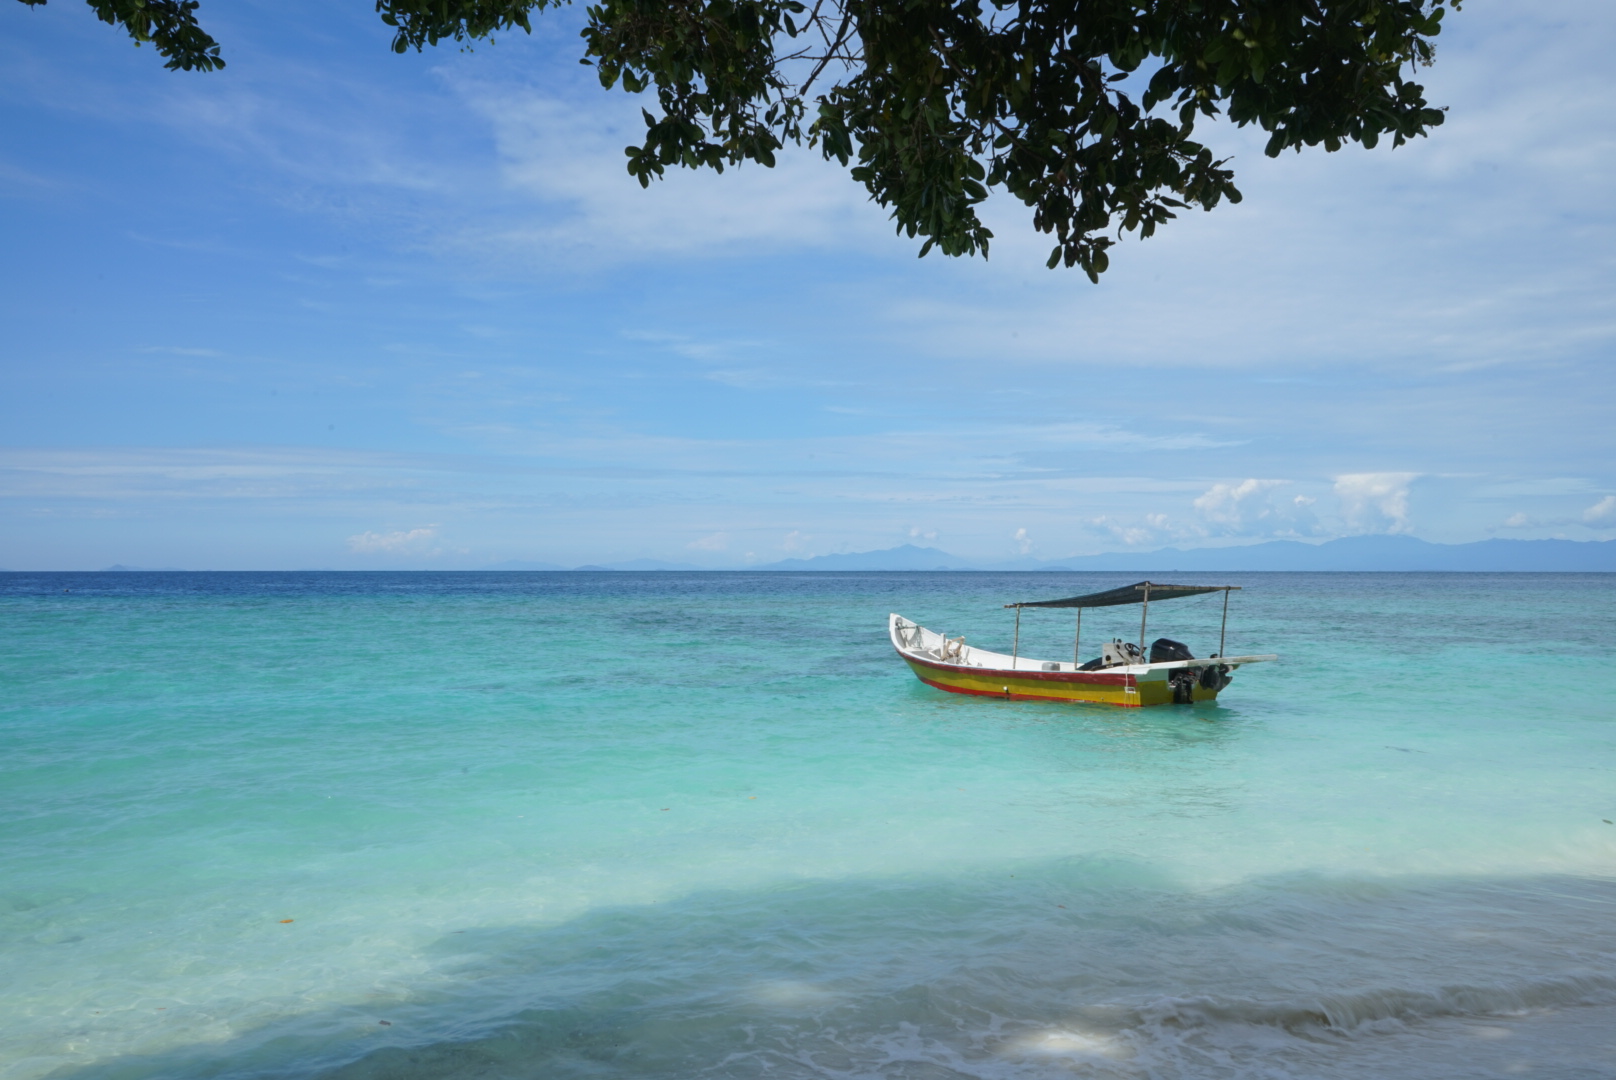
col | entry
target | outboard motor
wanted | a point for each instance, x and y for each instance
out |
(1163, 650)
(1183, 682)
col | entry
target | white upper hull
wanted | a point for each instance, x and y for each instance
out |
(912, 639)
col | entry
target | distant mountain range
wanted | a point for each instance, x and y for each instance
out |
(1385, 553)
(907, 557)
(1352, 553)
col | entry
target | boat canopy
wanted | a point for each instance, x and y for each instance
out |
(1129, 594)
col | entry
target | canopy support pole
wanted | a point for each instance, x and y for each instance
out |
(1224, 630)
(1015, 650)
(1077, 655)
(1143, 612)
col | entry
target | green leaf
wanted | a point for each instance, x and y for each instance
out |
(945, 101)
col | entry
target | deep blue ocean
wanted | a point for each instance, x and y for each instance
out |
(622, 825)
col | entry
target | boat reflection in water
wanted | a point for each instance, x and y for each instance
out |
(1123, 674)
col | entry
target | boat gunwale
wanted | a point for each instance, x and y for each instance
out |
(1105, 677)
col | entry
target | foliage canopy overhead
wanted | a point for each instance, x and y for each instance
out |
(1085, 110)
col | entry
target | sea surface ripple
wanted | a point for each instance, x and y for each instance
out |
(573, 825)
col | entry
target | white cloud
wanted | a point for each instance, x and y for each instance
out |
(1131, 535)
(1253, 508)
(1234, 505)
(1374, 502)
(1600, 516)
(1023, 543)
(400, 542)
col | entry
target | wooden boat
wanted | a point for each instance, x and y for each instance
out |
(1123, 674)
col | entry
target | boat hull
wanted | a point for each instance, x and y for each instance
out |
(1094, 687)
(950, 664)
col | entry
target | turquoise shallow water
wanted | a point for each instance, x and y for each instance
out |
(663, 825)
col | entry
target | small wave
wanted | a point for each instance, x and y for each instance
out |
(1341, 1013)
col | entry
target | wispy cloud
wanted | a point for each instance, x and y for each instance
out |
(717, 541)
(443, 260)
(566, 156)
(16, 181)
(421, 541)
(176, 350)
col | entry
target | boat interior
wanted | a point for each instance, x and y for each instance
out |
(1162, 655)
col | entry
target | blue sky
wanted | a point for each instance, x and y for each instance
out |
(335, 307)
